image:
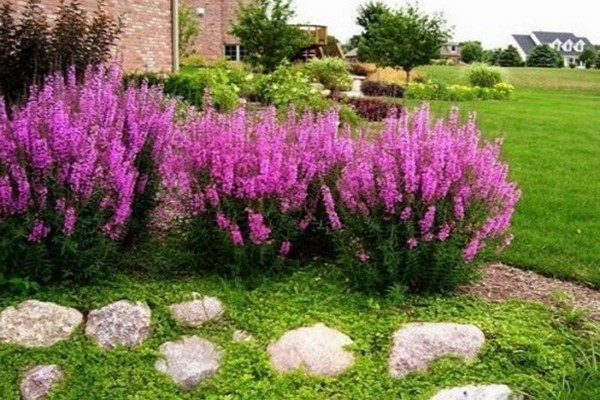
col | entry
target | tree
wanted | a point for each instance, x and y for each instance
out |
(492, 57)
(589, 57)
(510, 57)
(406, 38)
(352, 43)
(369, 16)
(544, 56)
(471, 52)
(263, 29)
(189, 28)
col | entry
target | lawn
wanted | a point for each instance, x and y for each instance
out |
(551, 143)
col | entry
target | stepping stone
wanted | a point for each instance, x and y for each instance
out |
(39, 381)
(38, 324)
(317, 349)
(122, 323)
(242, 336)
(417, 345)
(195, 313)
(189, 361)
(490, 392)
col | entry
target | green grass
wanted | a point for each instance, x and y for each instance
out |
(528, 347)
(552, 145)
(527, 78)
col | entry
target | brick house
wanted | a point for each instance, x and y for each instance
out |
(215, 19)
(147, 42)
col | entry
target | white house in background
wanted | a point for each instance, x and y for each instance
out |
(569, 45)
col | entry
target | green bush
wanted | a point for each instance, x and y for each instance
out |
(544, 56)
(439, 91)
(330, 72)
(483, 75)
(192, 87)
(291, 85)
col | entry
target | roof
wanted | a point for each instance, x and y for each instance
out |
(525, 42)
(352, 53)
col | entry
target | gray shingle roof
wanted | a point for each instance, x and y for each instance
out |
(525, 42)
(352, 53)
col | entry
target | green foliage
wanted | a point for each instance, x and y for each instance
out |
(492, 57)
(30, 49)
(330, 72)
(189, 28)
(527, 348)
(193, 61)
(471, 52)
(544, 56)
(510, 57)
(369, 16)
(405, 38)
(291, 85)
(483, 75)
(352, 43)
(193, 88)
(265, 33)
(588, 57)
(438, 90)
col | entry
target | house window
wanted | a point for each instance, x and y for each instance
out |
(567, 46)
(453, 48)
(234, 52)
(579, 47)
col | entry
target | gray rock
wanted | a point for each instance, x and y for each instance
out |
(122, 323)
(38, 324)
(317, 349)
(242, 336)
(195, 313)
(490, 392)
(189, 361)
(39, 381)
(417, 345)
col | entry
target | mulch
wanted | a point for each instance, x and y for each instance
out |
(501, 282)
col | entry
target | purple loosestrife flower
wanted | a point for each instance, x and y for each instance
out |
(38, 232)
(285, 248)
(334, 219)
(259, 232)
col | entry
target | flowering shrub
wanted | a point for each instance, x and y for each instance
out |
(245, 189)
(438, 91)
(419, 201)
(483, 75)
(331, 72)
(77, 167)
(290, 85)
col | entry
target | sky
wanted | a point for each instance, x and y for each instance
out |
(491, 22)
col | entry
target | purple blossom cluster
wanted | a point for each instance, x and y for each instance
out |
(415, 168)
(78, 145)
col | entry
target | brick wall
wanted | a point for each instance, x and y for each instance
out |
(146, 41)
(215, 24)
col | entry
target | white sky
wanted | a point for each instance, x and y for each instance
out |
(491, 22)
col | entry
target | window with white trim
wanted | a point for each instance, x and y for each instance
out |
(234, 52)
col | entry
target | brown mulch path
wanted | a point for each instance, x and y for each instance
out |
(501, 282)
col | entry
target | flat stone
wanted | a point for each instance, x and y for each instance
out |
(122, 323)
(417, 345)
(39, 381)
(242, 336)
(38, 324)
(189, 361)
(489, 392)
(197, 312)
(317, 349)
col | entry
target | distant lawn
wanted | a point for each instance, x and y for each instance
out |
(552, 143)
(527, 78)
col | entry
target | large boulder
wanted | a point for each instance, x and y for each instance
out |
(38, 324)
(39, 381)
(489, 392)
(417, 345)
(197, 312)
(318, 349)
(122, 323)
(189, 361)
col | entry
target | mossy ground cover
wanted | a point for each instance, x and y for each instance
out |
(534, 350)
